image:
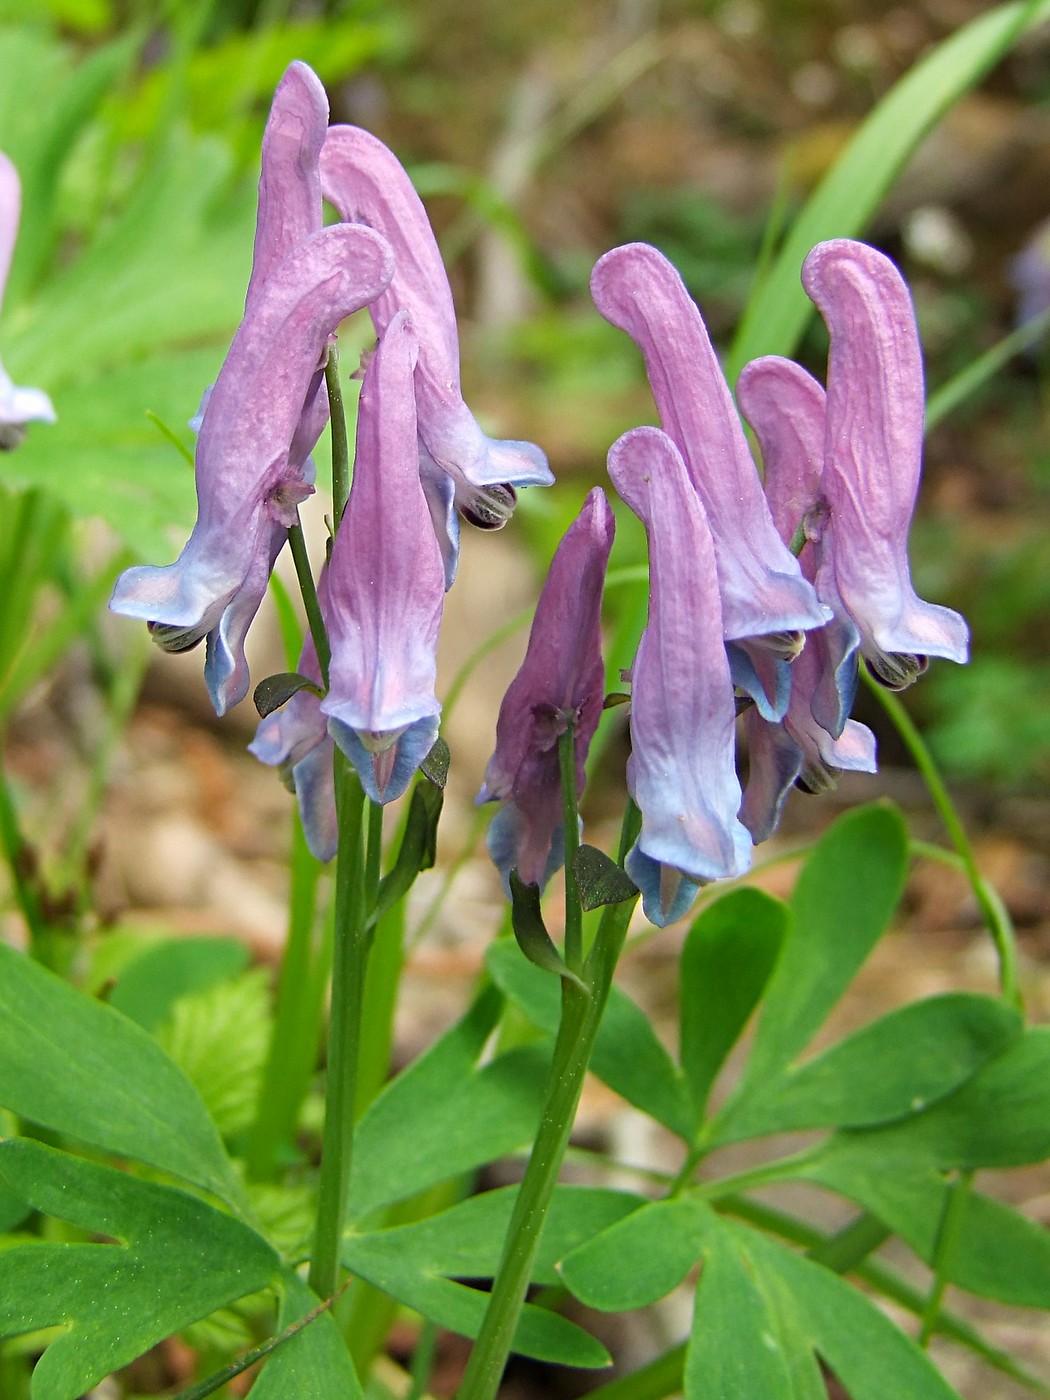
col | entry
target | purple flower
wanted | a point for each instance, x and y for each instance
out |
(766, 603)
(561, 683)
(872, 461)
(461, 466)
(295, 741)
(681, 772)
(250, 478)
(18, 406)
(386, 586)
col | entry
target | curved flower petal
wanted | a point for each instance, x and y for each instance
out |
(366, 183)
(763, 591)
(247, 483)
(18, 406)
(682, 771)
(386, 586)
(873, 453)
(561, 682)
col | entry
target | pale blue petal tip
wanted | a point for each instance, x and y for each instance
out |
(410, 750)
(315, 791)
(746, 678)
(659, 883)
(503, 843)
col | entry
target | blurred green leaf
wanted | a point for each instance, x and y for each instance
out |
(857, 183)
(179, 1259)
(219, 1036)
(103, 1081)
(151, 983)
(727, 960)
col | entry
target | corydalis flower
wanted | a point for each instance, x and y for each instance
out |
(872, 461)
(18, 406)
(289, 211)
(681, 772)
(247, 479)
(460, 465)
(385, 586)
(560, 686)
(765, 600)
(816, 740)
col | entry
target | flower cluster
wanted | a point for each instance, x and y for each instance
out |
(18, 406)
(759, 599)
(421, 457)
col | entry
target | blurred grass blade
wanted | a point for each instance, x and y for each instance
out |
(961, 386)
(855, 186)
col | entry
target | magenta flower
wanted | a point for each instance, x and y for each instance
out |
(766, 603)
(386, 585)
(561, 683)
(248, 480)
(295, 741)
(872, 461)
(681, 772)
(367, 184)
(18, 406)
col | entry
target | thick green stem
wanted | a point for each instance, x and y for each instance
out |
(349, 964)
(995, 915)
(581, 1015)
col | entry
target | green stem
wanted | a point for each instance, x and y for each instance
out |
(571, 827)
(994, 912)
(843, 1251)
(581, 1015)
(304, 573)
(340, 441)
(374, 853)
(344, 1031)
(948, 1232)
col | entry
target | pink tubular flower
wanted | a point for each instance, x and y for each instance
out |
(367, 184)
(385, 586)
(561, 683)
(872, 461)
(766, 603)
(681, 772)
(248, 480)
(18, 406)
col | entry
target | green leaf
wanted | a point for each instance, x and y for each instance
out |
(179, 1260)
(627, 1056)
(406, 1276)
(530, 932)
(435, 765)
(870, 1356)
(998, 1253)
(842, 904)
(894, 1068)
(999, 1118)
(746, 1336)
(727, 959)
(600, 880)
(857, 183)
(446, 1114)
(274, 691)
(466, 1241)
(151, 983)
(312, 1365)
(220, 1036)
(104, 1081)
(637, 1259)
